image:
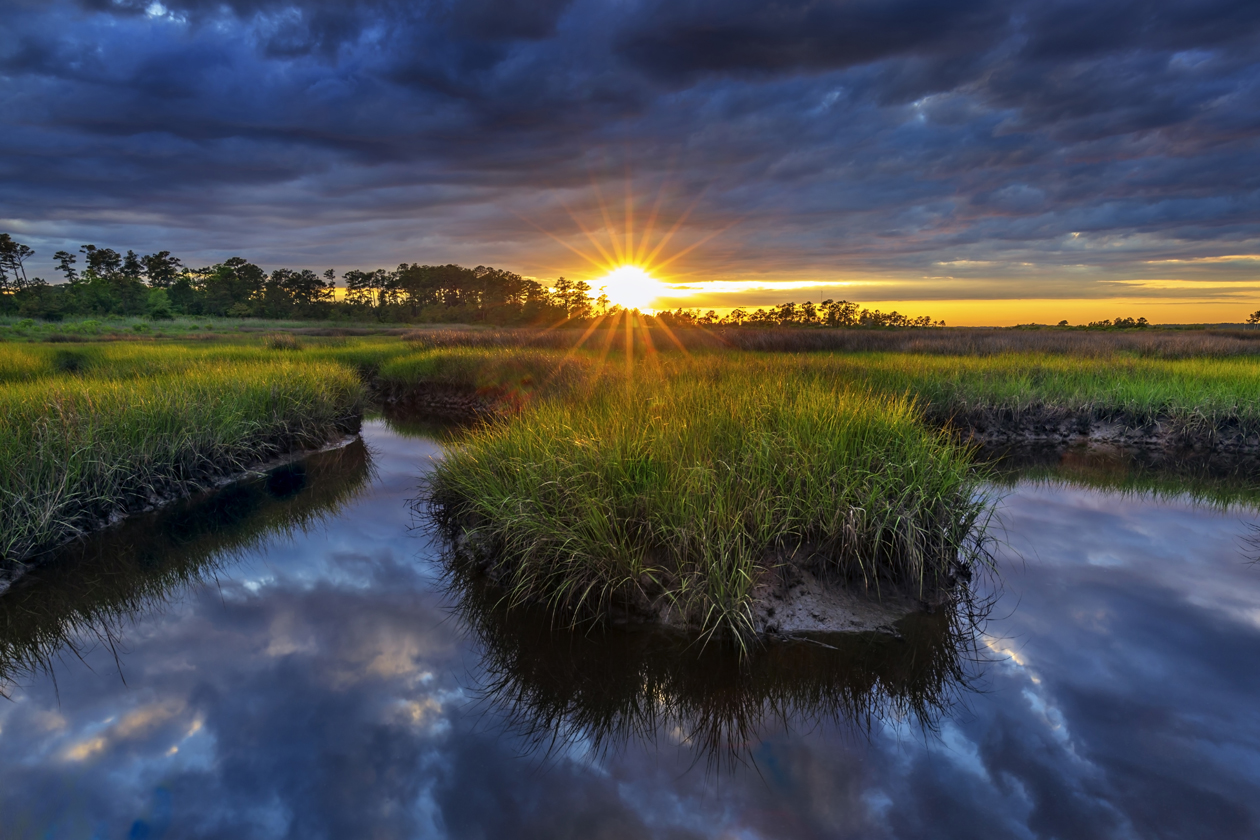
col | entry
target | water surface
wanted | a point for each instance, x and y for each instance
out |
(282, 660)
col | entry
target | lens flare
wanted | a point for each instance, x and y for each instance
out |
(630, 286)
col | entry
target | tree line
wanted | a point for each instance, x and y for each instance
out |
(829, 313)
(101, 281)
(1118, 323)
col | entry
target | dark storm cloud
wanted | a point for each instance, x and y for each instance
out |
(683, 39)
(1080, 27)
(858, 136)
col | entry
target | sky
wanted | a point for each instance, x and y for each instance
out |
(979, 161)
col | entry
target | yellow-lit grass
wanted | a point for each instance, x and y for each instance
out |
(129, 359)
(513, 375)
(1200, 396)
(75, 451)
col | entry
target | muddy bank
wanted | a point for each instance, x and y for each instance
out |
(794, 600)
(1049, 425)
(157, 498)
(986, 426)
(445, 401)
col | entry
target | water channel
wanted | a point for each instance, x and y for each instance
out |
(286, 659)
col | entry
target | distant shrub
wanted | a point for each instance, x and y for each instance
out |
(70, 361)
(281, 341)
(25, 323)
(431, 339)
(159, 306)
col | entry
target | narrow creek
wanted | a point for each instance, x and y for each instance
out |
(285, 658)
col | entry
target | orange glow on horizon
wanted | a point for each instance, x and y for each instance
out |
(1010, 312)
(1076, 311)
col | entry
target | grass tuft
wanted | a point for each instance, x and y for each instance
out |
(281, 341)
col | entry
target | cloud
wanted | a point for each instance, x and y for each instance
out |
(849, 137)
(683, 39)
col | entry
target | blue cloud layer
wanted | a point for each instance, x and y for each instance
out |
(851, 137)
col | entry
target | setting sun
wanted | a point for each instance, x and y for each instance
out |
(630, 286)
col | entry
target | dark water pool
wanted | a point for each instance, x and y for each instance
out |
(281, 661)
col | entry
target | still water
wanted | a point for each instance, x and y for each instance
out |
(285, 659)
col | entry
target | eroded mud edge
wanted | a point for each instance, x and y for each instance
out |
(986, 426)
(1004, 427)
(10, 572)
(445, 401)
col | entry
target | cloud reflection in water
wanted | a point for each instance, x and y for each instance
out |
(320, 687)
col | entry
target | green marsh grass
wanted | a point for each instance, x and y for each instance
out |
(682, 477)
(957, 341)
(689, 482)
(1198, 397)
(282, 341)
(109, 328)
(510, 376)
(970, 341)
(89, 430)
(77, 449)
(127, 359)
(1196, 384)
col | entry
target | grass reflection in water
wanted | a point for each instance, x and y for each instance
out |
(96, 587)
(602, 688)
(1210, 479)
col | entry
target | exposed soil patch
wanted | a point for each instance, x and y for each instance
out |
(796, 601)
